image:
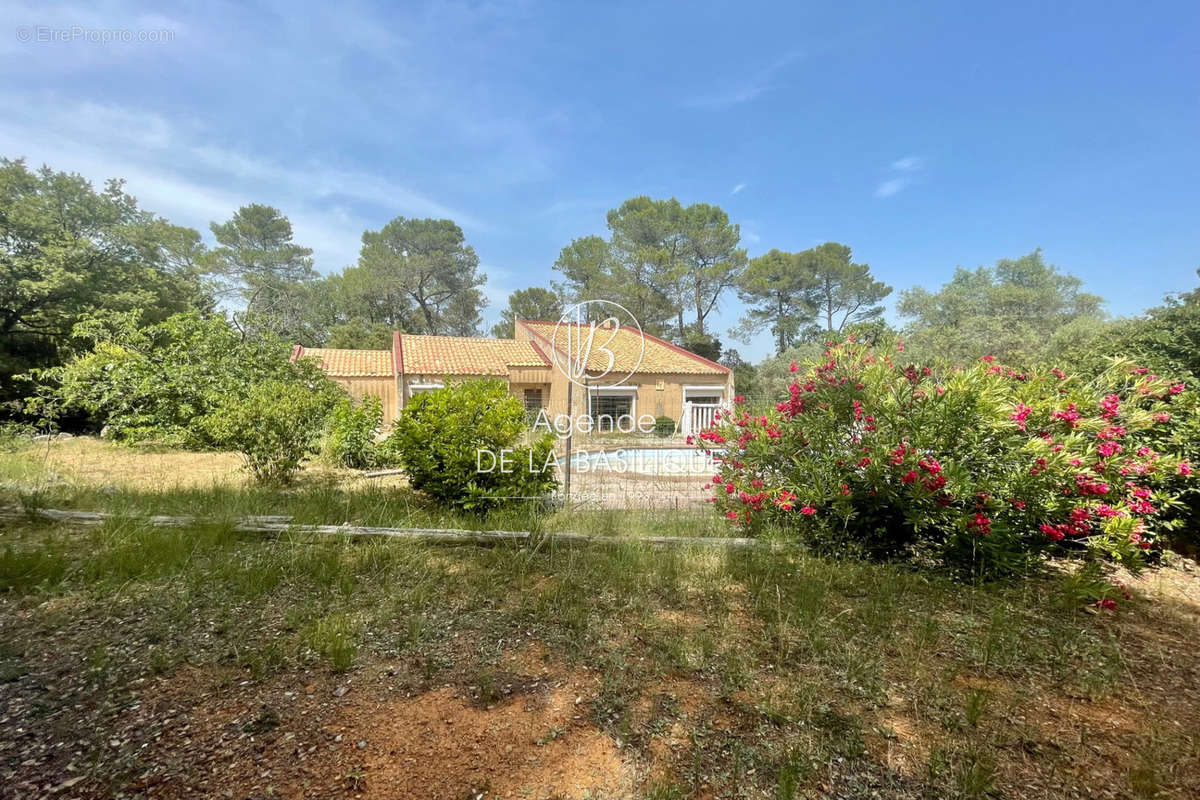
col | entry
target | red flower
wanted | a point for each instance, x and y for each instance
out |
(808, 511)
(909, 477)
(1109, 406)
(1185, 468)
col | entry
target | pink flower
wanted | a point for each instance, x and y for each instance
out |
(1185, 468)
(1020, 415)
(909, 477)
(1109, 406)
(1176, 388)
(988, 359)
(1107, 449)
(793, 367)
(808, 511)
(1069, 415)
(1055, 532)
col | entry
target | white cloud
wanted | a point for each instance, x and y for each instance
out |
(891, 187)
(905, 171)
(738, 188)
(907, 164)
(175, 171)
(734, 92)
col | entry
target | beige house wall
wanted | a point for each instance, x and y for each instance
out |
(383, 387)
(657, 394)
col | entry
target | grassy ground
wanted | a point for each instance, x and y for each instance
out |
(168, 662)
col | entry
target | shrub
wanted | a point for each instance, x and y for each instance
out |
(985, 466)
(275, 426)
(155, 382)
(664, 427)
(350, 433)
(449, 442)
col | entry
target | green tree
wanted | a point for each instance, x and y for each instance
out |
(712, 262)
(156, 382)
(268, 274)
(745, 375)
(845, 293)
(532, 303)
(779, 296)
(648, 241)
(359, 334)
(669, 265)
(1011, 311)
(427, 263)
(67, 250)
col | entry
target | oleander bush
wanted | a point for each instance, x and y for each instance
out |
(469, 445)
(986, 467)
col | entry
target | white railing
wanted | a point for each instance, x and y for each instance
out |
(698, 416)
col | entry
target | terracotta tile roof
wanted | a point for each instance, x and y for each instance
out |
(461, 355)
(655, 356)
(348, 363)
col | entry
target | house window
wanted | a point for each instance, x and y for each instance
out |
(704, 400)
(533, 399)
(609, 409)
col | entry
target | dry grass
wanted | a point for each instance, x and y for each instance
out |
(148, 661)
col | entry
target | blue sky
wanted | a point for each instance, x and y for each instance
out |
(924, 135)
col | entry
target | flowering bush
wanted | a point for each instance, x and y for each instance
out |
(988, 466)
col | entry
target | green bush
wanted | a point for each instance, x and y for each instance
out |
(152, 383)
(984, 466)
(275, 426)
(664, 427)
(350, 433)
(450, 443)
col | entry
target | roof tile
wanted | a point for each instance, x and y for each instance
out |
(350, 363)
(631, 352)
(462, 355)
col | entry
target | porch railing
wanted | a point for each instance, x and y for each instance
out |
(698, 416)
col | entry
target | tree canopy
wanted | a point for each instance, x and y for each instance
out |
(265, 270)
(428, 269)
(668, 264)
(67, 249)
(1011, 311)
(802, 296)
(532, 303)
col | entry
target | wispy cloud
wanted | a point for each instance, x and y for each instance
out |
(903, 172)
(173, 169)
(735, 91)
(738, 188)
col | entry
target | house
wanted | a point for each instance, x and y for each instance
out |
(625, 376)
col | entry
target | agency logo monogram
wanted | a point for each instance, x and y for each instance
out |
(598, 344)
